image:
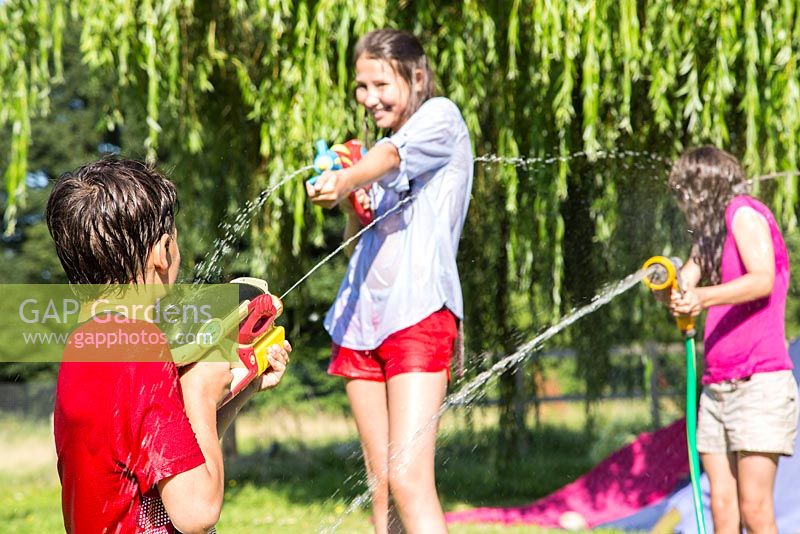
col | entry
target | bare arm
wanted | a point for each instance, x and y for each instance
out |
(381, 159)
(754, 243)
(228, 413)
(193, 499)
(690, 274)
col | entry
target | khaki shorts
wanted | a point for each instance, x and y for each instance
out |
(757, 414)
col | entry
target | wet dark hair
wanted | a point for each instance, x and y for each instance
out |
(704, 180)
(403, 51)
(105, 218)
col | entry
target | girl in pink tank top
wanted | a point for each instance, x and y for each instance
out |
(748, 410)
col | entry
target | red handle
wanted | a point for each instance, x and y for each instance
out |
(354, 154)
(261, 313)
(365, 216)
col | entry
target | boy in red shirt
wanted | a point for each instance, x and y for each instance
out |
(137, 439)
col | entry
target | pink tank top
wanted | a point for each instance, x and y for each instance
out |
(748, 338)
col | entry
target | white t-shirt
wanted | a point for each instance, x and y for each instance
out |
(404, 268)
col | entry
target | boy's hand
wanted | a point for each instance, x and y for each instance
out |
(278, 359)
(207, 380)
(329, 189)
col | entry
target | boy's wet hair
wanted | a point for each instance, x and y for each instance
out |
(704, 180)
(105, 218)
(403, 51)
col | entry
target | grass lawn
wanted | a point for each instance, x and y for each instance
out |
(299, 472)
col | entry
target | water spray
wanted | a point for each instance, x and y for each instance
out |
(662, 273)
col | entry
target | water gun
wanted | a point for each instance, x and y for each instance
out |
(665, 273)
(252, 327)
(341, 157)
(257, 332)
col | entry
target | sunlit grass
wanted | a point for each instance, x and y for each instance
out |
(298, 473)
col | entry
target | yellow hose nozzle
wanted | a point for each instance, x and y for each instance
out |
(661, 273)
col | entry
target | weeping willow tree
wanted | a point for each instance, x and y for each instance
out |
(232, 94)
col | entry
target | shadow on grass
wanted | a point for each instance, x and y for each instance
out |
(470, 469)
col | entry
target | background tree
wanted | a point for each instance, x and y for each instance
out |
(596, 96)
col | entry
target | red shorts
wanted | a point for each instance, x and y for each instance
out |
(425, 347)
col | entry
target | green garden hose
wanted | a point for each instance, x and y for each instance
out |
(691, 432)
(663, 274)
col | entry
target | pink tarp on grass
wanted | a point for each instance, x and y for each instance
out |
(635, 476)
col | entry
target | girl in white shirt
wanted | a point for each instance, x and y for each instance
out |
(394, 321)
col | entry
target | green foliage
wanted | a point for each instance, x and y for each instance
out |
(597, 96)
(68, 137)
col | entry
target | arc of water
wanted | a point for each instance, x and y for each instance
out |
(233, 231)
(467, 392)
(345, 243)
(474, 386)
(519, 161)
(487, 158)
(773, 176)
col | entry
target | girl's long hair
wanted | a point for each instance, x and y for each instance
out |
(705, 179)
(403, 51)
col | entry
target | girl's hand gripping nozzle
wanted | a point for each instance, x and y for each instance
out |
(662, 273)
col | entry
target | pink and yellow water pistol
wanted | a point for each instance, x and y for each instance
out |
(251, 327)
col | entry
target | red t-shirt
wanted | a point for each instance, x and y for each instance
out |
(120, 427)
